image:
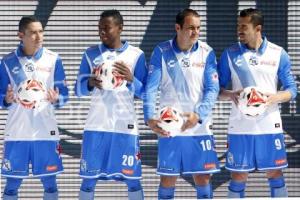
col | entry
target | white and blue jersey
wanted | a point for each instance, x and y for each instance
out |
(110, 147)
(112, 110)
(262, 68)
(188, 81)
(32, 124)
(248, 138)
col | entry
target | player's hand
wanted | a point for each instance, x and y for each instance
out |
(153, 125)
(9, 97)
(230, 95)
(53, 95)
(94, 82)
(123, 70)
(191, 119)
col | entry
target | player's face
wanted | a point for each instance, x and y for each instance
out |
(32, 37)
(247, 32)
(109, 31)
(189, 32)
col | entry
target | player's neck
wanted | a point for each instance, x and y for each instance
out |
(29, 52)
(255, 44)
(115, 45)
(183, 46)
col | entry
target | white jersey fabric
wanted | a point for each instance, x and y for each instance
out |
(32, 124)
(112, 110)
(262, 68)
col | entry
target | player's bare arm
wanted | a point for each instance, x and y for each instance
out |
(279, 97)
(9, 98)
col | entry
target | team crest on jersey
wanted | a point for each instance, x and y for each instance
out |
(230, 159)
(29, 67)
(6, 166)
(83, 166)
(185, 62)
(253, 61)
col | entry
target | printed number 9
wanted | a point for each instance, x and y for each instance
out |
(127, 160)
(278, 144)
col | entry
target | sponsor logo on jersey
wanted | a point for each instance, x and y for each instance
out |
(6, 166)
(271, 63)
(198, 64)
(52, 132)
(130, 126)
(209, 166)
(51, 168)
(171, 63)
(127, 171)
(277, 125)
(280, 161)
(16, 70)
(43, 69)
(238, 62)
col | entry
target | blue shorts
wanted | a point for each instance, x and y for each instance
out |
(44, 157)
(187, 155)
(250, 152)
(108, 155)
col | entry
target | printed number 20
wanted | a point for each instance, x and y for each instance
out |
(127, 160)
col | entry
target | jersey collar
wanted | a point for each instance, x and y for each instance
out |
(260, 50)
(121, 49)
(177, 50)
(36, 56)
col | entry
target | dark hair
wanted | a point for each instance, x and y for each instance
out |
(255, 15)
(25, 21)
(184, 13)
(113, 13)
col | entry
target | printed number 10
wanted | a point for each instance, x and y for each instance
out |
(206, 145)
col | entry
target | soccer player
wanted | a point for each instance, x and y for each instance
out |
(31, 132)
(110, 147)
(185, 69)
(257, 142)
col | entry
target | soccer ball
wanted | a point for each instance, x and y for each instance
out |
(31, 93)
(110, 78)
(252, 101)
(171, 120)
